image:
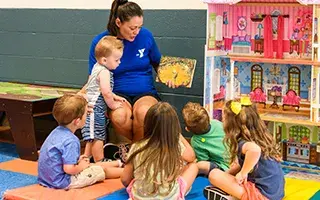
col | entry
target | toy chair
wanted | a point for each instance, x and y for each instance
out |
(258, 96)
(291, 99)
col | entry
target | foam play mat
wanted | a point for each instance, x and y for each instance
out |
(296, 189)
(196, 192)
(19, 181)
(38, 192)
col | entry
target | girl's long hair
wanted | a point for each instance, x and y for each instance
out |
(162, 151)
(248, 126)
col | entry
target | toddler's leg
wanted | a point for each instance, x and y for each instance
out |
(226, 182)
(97, 150)
(189, 174)
(87, 150)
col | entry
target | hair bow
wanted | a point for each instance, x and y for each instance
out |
(245, 101)
(235, 107)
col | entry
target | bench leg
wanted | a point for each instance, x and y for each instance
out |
(22, 129)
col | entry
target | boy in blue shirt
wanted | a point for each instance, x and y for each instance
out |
(60, 165)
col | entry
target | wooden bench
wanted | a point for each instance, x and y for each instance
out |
(23, 102)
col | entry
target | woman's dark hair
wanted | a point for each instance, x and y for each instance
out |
(124, 10)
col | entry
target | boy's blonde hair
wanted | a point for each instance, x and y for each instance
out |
(68, 108)
(107, 45)
(196, 118)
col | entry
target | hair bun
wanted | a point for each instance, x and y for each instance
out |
(121, 2)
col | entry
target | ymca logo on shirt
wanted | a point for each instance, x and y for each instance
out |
(141, 51)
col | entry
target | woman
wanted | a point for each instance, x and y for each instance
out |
(133, 78)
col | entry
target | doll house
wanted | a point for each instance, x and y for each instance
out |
(267, 50)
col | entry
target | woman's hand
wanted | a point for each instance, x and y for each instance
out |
(171, 84)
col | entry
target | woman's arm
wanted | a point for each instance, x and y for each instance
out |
(127, 175)
(188, 154)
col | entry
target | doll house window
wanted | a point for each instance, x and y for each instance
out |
(299, 134)
(275, 13)
(256, 76)
(294, 79)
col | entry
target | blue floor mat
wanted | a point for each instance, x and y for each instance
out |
(11, 180)
(196, 192)
(7, 152)
(316, 196)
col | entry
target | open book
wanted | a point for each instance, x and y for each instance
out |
(179, 70)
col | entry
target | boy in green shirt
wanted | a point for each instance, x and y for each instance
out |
(207, 139)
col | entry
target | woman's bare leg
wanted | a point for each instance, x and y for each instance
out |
(121, 120)
(140, 109)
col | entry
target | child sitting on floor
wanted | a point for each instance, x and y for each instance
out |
(207, 139)
(155, 167)
(99, 92)
(60, 165)
(256, 172)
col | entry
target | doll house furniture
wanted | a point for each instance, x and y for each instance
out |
(291, 99)
(270, 54)
(258, 96)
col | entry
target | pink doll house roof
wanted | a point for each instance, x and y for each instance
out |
(304, 2)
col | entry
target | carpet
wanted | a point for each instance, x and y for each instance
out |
(196, 192)
(8, 152)
(10, 180)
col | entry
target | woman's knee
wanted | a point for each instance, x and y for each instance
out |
(140, 112)
(120, 116)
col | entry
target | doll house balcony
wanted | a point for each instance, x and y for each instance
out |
(291, 99)
(258, 96)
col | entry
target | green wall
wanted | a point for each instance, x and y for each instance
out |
(50, 46)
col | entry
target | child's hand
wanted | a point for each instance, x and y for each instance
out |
(84, 163)
(116, 105)
(118, 98)
(90, 108)
(241, 178)
(83, 157)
